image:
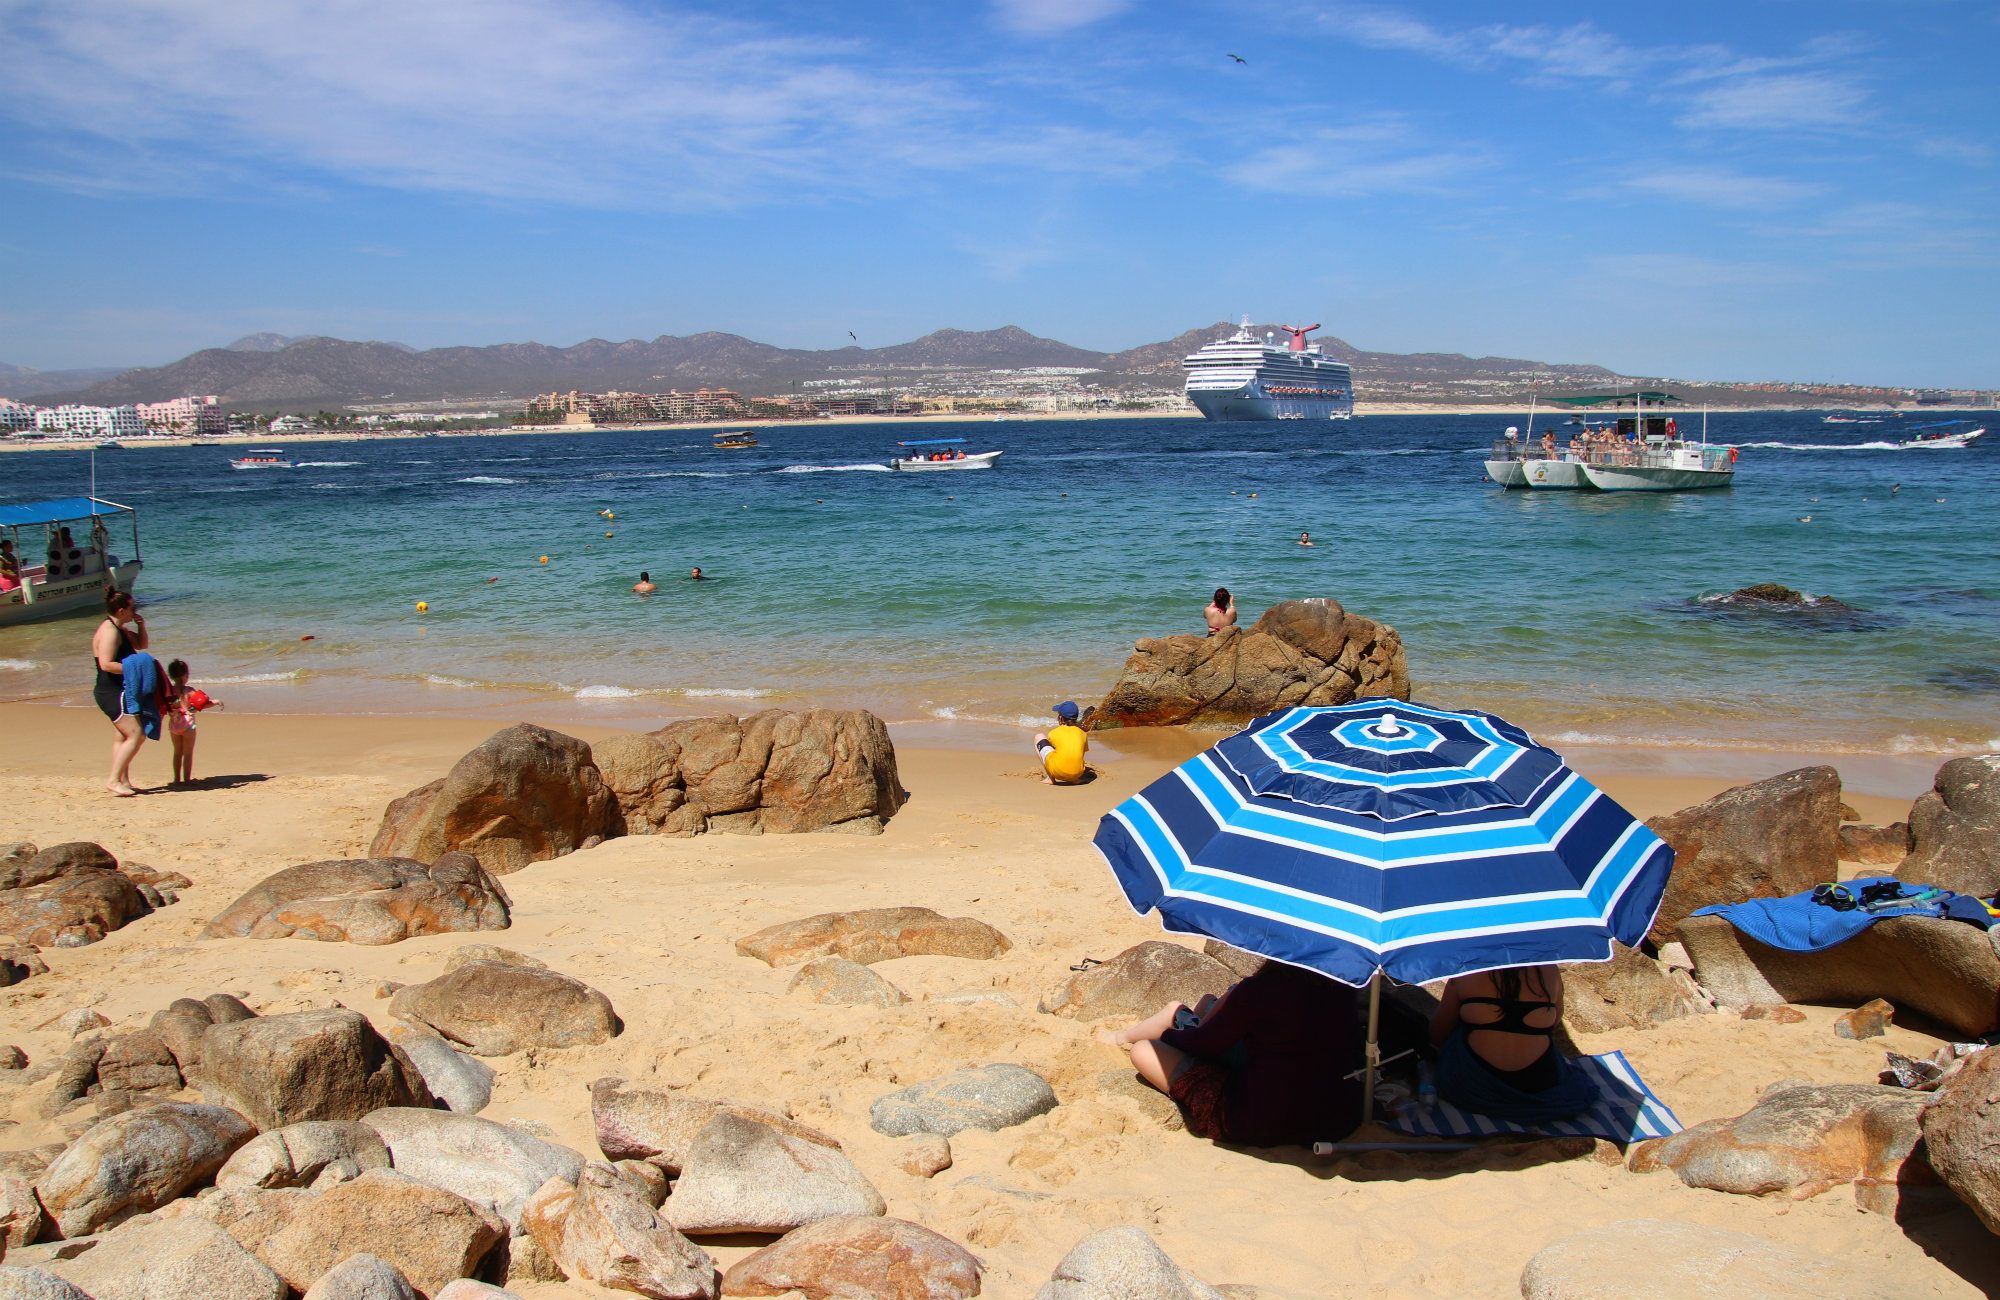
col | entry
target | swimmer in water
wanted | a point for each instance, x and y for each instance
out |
(694, 575)
(644, 586)
(1305, 539)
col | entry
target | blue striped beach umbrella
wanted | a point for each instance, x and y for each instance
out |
(1384, 837)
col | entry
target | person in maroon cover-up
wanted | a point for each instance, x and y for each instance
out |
(1264, 1065)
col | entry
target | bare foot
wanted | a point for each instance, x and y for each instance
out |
(1112, 1038)
(122, 791)
(1046, 781)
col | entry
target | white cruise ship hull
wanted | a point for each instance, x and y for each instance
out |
(1245, 404)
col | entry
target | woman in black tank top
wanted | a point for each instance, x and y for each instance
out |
(109, 647)
(1495, 1034)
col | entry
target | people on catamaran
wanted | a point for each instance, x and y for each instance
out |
(1548, 444)
(1062, 749)
(1495, 1035)
(645, 585)
(10, 565)
(1221, 611)
(1271, 1062)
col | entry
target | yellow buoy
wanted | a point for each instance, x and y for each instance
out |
(543, 560)
(423, 606)
(610, 515)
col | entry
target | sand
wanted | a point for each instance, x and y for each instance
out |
(652, 921)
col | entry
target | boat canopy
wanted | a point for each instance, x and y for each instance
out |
(930, 442)
(56, 512)
(1941, 424)
(1611, 399)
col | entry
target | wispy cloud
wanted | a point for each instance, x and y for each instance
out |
(1381, 155)
(1778, 102)
(586, 102)
(1043, 17)
(1719, 187)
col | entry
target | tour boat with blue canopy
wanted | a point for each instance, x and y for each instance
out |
(941, 453)
(71, 541)
(1945, 434)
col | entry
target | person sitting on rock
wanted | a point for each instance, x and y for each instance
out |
(1267, 1064)
(1221, 611)
(1495, 1035)
(1063, 748)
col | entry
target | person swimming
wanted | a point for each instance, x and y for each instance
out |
(1305, 539)
(694, 575)
(645, 585)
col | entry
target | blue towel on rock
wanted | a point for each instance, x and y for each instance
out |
(142, 691)
(1799, 924)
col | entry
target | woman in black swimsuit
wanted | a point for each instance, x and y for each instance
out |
(109, 646)
(1495, 1035)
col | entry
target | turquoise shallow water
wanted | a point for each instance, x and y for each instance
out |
(986, 595)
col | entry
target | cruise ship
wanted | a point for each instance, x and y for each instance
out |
(1244, 377)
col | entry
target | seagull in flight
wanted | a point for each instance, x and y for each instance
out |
(850, 334)
(1239, 58)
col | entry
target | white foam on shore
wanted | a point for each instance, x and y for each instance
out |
(488, 479)
(952, 713)
(674, 473)
(723, 692)
(835, 469)
(608, 693)
(19, 665)
(251, 677)
(436, 679)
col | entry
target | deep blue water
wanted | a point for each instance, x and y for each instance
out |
(988, 594)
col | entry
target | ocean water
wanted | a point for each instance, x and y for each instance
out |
(985, 596)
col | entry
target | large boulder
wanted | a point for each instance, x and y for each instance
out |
(858, 1258)
(327, 1064)
(742, 1176)
(429, 1235)
(643, 1124)
(463, 1083)
(139, 1061)
(1138, 982)
(1767, 839)
(25, 865)
(1658, 1259)
(1800, 1140)
(526, 795)
(598, 1230)
(1962, 1135)
(497, 1008)
(840, 982)
(988, 1097)
(138, 1161)
(182, 1022)
(185, 1258)
(78, 907)
(302, 1155)
(1122, 1264)
(1300, 652)
(491, 1165)
(22, 1283)
(1631, 991)
(21, 1216)
(1946, 971)
(1955, 829)
(775, 771)
(368, 901)
(874, 934)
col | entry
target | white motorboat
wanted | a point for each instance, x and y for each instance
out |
(73, 575)
(940, 454)
(262, 458)
(1946, 435)
(1643, 452)
(1671, 467)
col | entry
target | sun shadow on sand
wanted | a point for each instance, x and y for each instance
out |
(210, 783)
(1949, 1232)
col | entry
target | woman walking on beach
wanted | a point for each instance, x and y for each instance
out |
(1221, 611)
(122, 632)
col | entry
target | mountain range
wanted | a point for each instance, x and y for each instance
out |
(273, 369)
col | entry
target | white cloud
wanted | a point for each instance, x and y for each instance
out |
(1381, 155)
(1044, 17)
(1778, 102)
(586, 102)
(1718, 187)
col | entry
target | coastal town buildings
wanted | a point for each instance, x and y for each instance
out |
(197, 416)
(15, 417)
(89, 421)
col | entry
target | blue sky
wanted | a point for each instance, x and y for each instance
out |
(1784, 188)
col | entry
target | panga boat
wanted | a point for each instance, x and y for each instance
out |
(940, 453)
(1946, 434)
(262, 458)
(735, 441)
(1638, 453)
(74, 572)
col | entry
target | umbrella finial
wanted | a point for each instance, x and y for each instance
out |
(1388, 728)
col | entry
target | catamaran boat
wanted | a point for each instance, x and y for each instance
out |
(262, 458)
(941, 453)
(1638, 453)
(737, 441)
(1946, 434)
(73, 574)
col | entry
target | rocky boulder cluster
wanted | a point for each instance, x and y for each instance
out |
(67, 896)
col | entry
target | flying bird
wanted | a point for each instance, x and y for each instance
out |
(850, 334)
(1239, 58)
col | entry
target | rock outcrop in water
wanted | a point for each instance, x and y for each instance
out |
(1772, 593)
(1300, 652)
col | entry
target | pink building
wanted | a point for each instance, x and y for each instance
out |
(185, 415)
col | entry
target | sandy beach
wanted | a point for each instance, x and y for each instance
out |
(651, 922)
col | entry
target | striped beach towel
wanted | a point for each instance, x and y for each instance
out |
(1626, 1111)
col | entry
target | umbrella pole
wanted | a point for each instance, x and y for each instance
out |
(1372, 1051)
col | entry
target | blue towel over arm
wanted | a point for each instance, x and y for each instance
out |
(142, 691)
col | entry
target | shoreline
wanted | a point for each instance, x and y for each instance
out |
(357, 435)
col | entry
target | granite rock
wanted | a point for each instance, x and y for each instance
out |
(1122, 1264)
(858, 1258)
(1654, 1259)
(492, 1165)
(361, 1277)
(742, 1176)
(495, 1009)
(840, 982)
(988, 1097)
(874, 934)
(186, 1258)
(329, 1064)
(1138, 982)
(370, 901)
(138, 1161)
(304, 1155)
(1955, 829)
(647, 1124)
(1962, 1133)
(1768, 839)
(596, 1229)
